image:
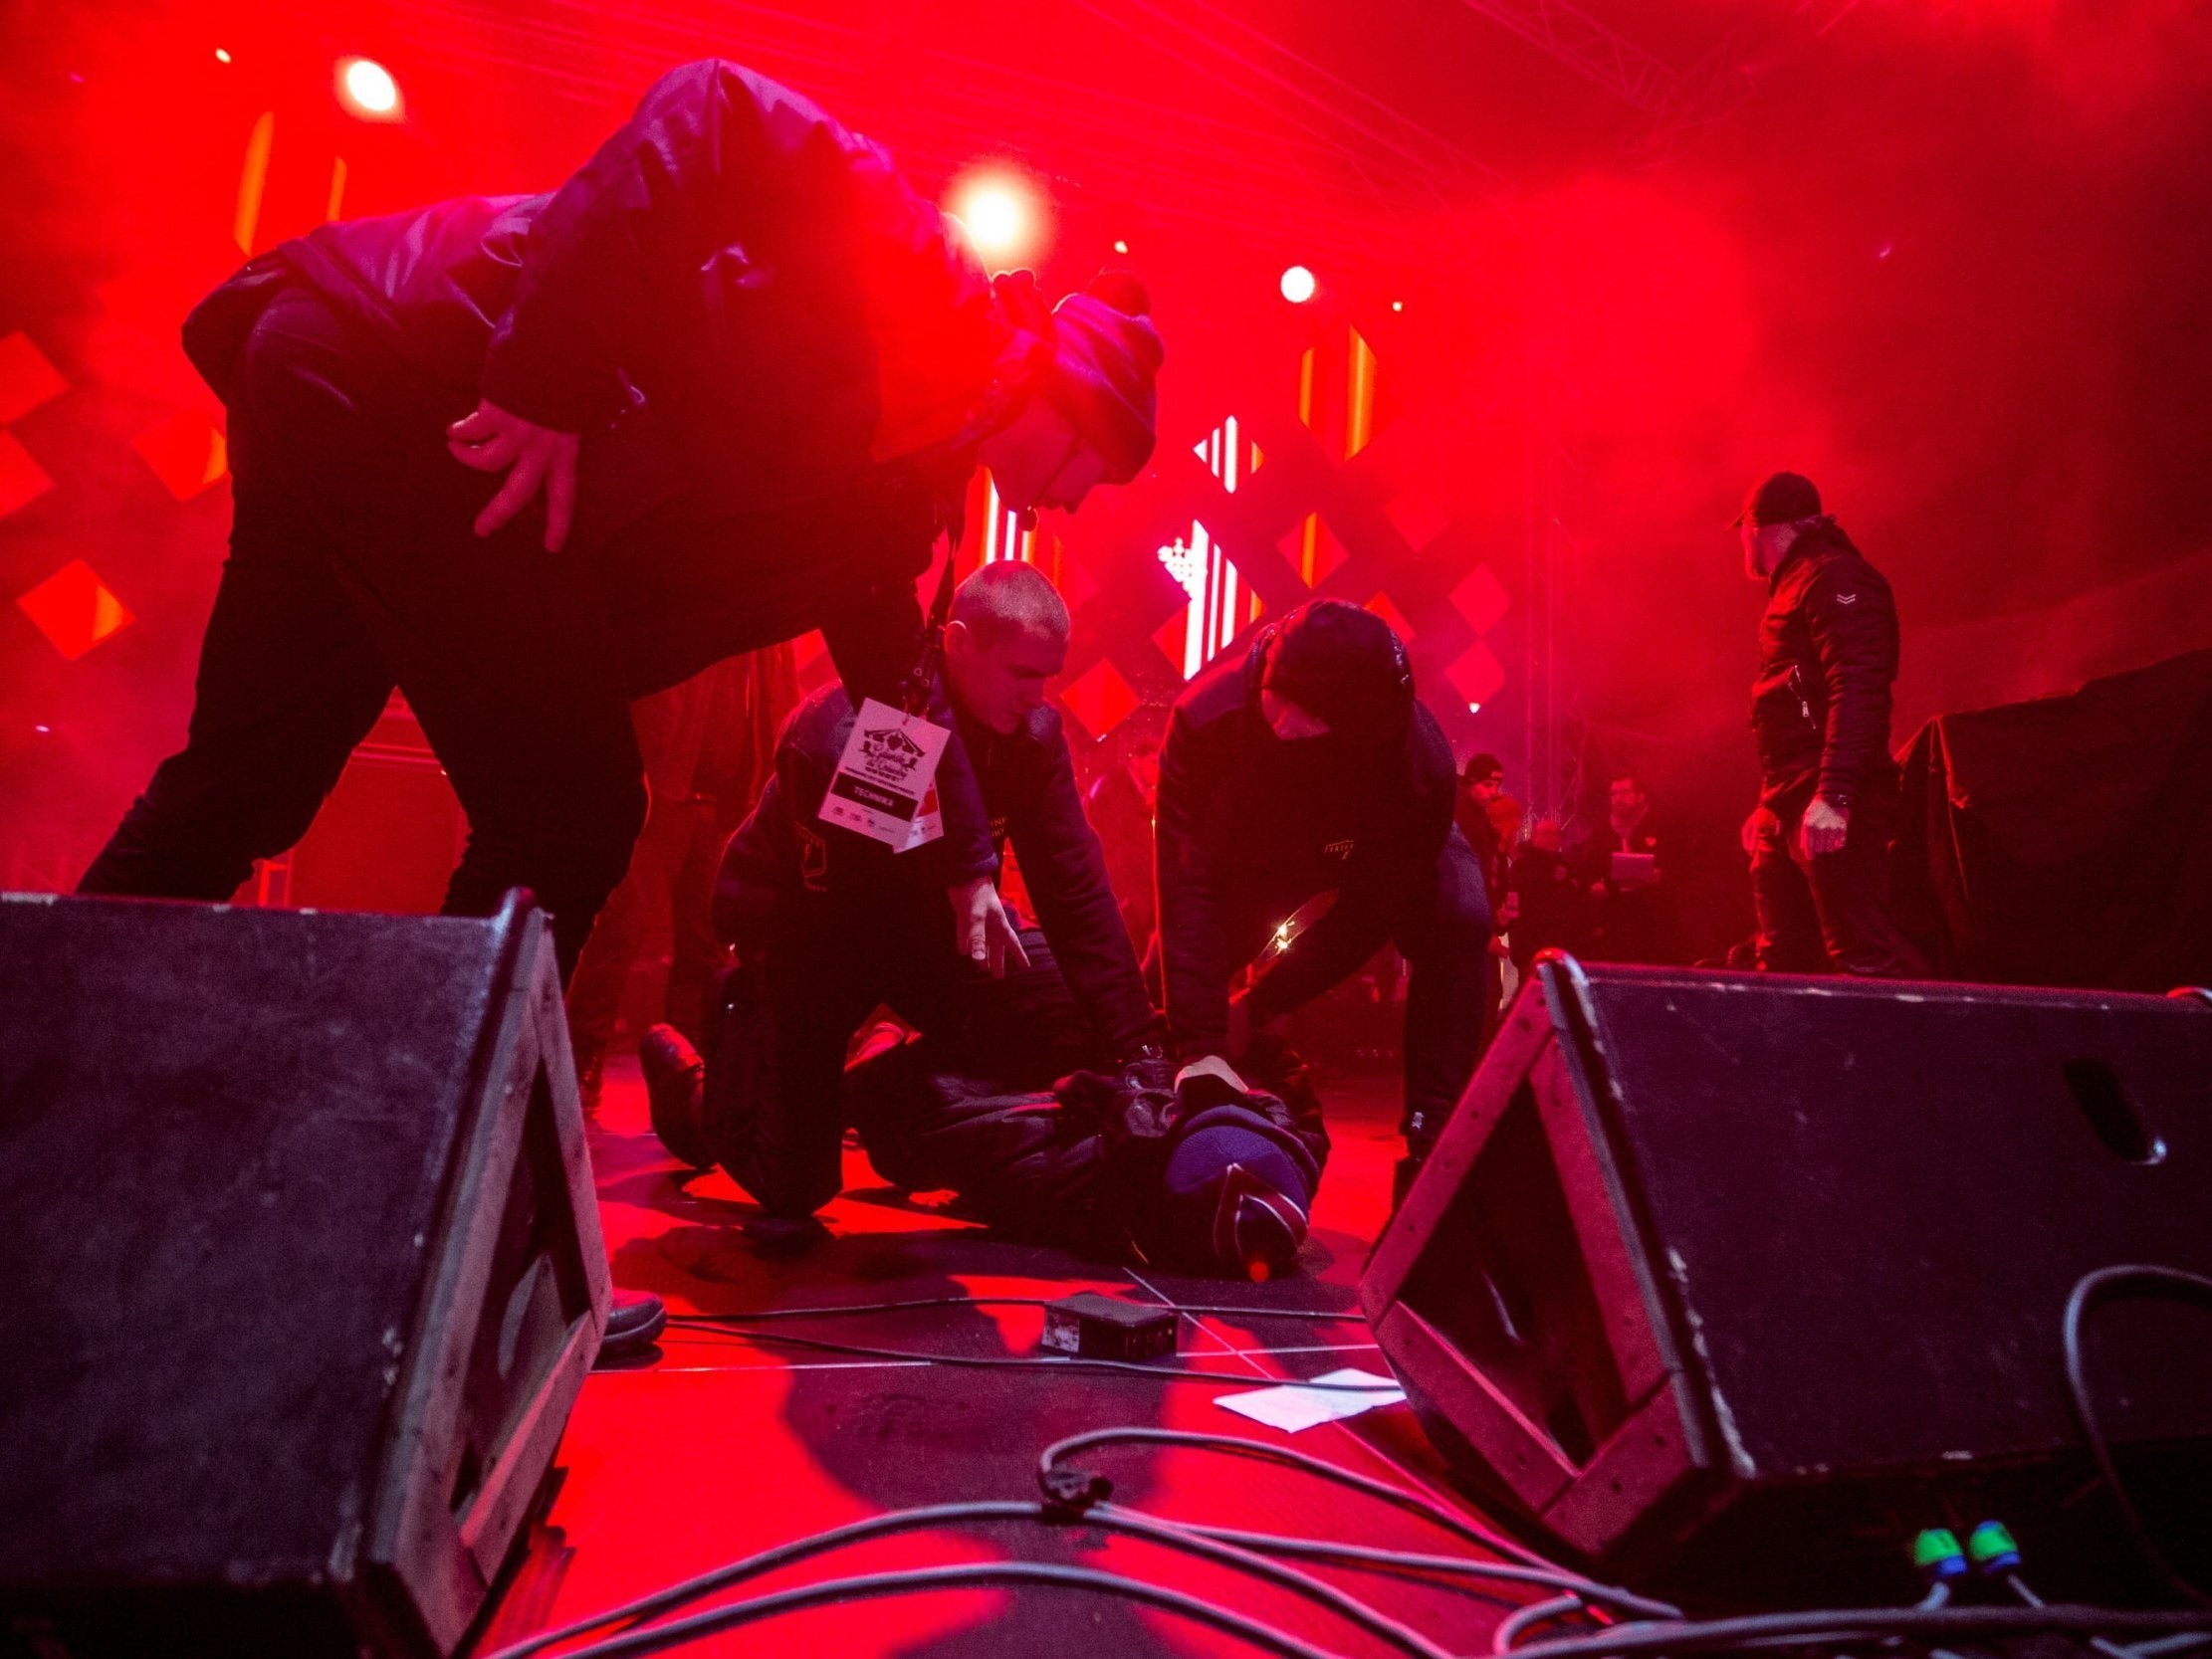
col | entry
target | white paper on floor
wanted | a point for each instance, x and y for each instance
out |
(1293, 1407)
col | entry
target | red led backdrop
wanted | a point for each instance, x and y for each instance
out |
(1577, 282)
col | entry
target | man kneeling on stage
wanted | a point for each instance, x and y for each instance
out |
(828, 924)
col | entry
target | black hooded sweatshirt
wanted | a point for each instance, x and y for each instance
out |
(1250, 827)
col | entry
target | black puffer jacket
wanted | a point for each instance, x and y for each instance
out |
(1828, 656)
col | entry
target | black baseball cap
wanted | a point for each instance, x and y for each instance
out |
(1780, 499)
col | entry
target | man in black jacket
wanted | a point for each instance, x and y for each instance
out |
(1309, 767)
(829, 924)
(1819, 838)
(528, 459)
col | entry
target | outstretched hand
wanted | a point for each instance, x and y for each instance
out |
(982, 929)
(533, 457)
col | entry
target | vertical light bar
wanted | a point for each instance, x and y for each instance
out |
(252, 179)
(337, 187)
(1309, 537)
(1359, 410)
(990, 519)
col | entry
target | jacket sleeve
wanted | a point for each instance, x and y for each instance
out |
(1064, 868)
(1193, 943)
(1370, 907)
(1852, 621)
(658, 197)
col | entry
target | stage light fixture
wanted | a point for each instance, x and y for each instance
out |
(1397, 304)
(1121, 247)
(367, 88)
(1474, 708)
(222, 55)
(1003, 213)
(1298, 284)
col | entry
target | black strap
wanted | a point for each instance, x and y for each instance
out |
(923, 677)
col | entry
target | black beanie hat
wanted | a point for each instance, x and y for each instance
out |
(1780, 499)
(1343, 664)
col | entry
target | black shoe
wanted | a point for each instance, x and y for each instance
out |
(634, 1323)
(675, 1091)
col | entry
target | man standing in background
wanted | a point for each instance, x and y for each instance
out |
(1819, 838)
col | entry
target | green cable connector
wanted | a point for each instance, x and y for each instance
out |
(1992, 1549)
(1936, 1552)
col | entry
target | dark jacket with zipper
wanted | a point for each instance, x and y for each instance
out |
(768, 343)
(1250, 827)
(783, 850)
(1827, 657)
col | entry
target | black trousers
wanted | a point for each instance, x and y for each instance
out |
(1830, 914)
(354, 568)
(775, 1087)
(1451, 994)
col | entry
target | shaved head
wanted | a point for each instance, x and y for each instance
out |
(1010, 598)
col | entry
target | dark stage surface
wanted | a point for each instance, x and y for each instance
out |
(723, 1447)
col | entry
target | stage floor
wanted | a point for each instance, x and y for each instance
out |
(720, 1446)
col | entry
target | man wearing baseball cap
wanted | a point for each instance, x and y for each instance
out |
(1820, 712)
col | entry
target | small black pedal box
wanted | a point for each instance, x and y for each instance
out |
(1097, 1327)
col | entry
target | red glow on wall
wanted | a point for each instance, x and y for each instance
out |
(22, 479)
(74, 609)
(27, 380)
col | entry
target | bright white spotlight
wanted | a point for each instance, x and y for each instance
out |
(1004, 214)
(367, 89)
(1297, 285)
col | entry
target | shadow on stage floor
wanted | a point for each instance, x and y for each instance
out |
(720, 1445)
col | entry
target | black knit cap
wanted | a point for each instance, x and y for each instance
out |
(1345, 665)
(1482, 768)
(1780, 499)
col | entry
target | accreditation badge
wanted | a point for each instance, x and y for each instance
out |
(885, 784)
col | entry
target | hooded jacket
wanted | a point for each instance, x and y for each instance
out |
(1250, 827)
(1827, 657)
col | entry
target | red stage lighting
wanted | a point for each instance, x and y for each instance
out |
(367, 89)
(1298, 284)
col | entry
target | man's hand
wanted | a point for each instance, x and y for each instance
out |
(1761, 822)
(982, 929)
(1824, 828)
(533, 457)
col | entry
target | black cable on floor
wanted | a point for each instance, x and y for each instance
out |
(1017, 1361)
(1106, 1517)
(2087, 1292)
(1413, 1502)
(986, 1576)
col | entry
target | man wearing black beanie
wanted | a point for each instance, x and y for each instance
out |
(1309, 767)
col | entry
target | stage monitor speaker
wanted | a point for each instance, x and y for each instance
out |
(1732, 1283)
(304, 1272)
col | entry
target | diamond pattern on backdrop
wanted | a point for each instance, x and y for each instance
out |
(74, 609)
(27, 380)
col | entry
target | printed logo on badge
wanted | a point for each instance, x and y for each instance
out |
(885, 784)
(1339, 850)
